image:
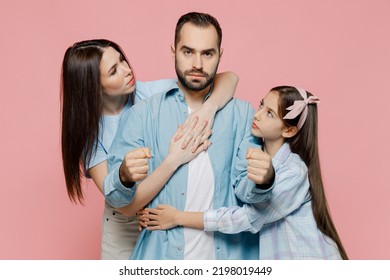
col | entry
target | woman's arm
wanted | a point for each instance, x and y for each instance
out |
(136, 169)
(97, 173)
(152, 184)
(225, 85)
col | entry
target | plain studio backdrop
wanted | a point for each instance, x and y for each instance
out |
(338, 50)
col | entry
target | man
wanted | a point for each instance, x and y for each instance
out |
(206, 182)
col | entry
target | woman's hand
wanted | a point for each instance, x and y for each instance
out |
(200, 123)
(197, 144)
(160, 218)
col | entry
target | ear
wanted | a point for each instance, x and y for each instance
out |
(290, 132)
(220, 53)
(173, 52)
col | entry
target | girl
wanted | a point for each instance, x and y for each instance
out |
(292, 216)
(97, 87)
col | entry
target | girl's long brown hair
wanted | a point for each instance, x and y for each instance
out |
(305, 144)
(82, 106)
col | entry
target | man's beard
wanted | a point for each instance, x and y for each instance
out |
(195, 85)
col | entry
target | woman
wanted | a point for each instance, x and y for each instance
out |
(97, 87)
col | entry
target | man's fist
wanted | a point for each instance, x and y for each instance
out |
(134, 167)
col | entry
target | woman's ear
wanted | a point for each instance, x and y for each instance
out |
(290, 132)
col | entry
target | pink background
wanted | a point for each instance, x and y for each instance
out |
(339, 50)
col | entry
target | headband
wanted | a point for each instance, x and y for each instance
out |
(300, 106)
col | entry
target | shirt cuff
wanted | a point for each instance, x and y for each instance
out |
(116, 194)
(210, 220)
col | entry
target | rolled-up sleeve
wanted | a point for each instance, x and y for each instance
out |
(128, 137)
(230, 220)
(115, 193)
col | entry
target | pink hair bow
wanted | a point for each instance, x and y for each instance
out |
(300, 106)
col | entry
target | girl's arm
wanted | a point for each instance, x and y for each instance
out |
(291, 191)
(166, 217)
(232, 219)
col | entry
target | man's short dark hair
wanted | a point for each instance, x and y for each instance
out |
(199, 20)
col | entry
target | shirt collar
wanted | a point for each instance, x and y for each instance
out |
(281, 155)
(174, 89)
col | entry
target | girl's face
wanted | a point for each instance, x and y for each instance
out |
(116, 76)
(267, 124)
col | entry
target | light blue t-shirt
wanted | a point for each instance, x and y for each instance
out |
(152, 123)
(109, 124)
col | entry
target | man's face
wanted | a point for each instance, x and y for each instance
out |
(196, 56)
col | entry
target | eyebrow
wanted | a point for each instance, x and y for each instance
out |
(262, 101)
(116, 64)
(202, 51)
(210, 50)
(273, 111)
(186, 47)
(111, 69)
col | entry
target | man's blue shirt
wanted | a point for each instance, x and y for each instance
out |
(152, 123)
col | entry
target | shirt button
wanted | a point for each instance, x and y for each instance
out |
(182, 193)
(179, 248)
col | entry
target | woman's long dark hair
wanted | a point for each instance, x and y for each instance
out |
(305, 144)
(82, 107)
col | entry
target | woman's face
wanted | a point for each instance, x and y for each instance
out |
(116, 76)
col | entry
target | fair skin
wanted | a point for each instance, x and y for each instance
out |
(196, 57)
(268, 125)
(118, 81)
(197, 51)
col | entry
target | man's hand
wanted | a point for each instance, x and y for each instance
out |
(134, 167)
(260, 169)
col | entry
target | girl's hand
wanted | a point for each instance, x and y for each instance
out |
(199, 122)
(160, 218)
(260, 169)
(141, 219)
(180, 155)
